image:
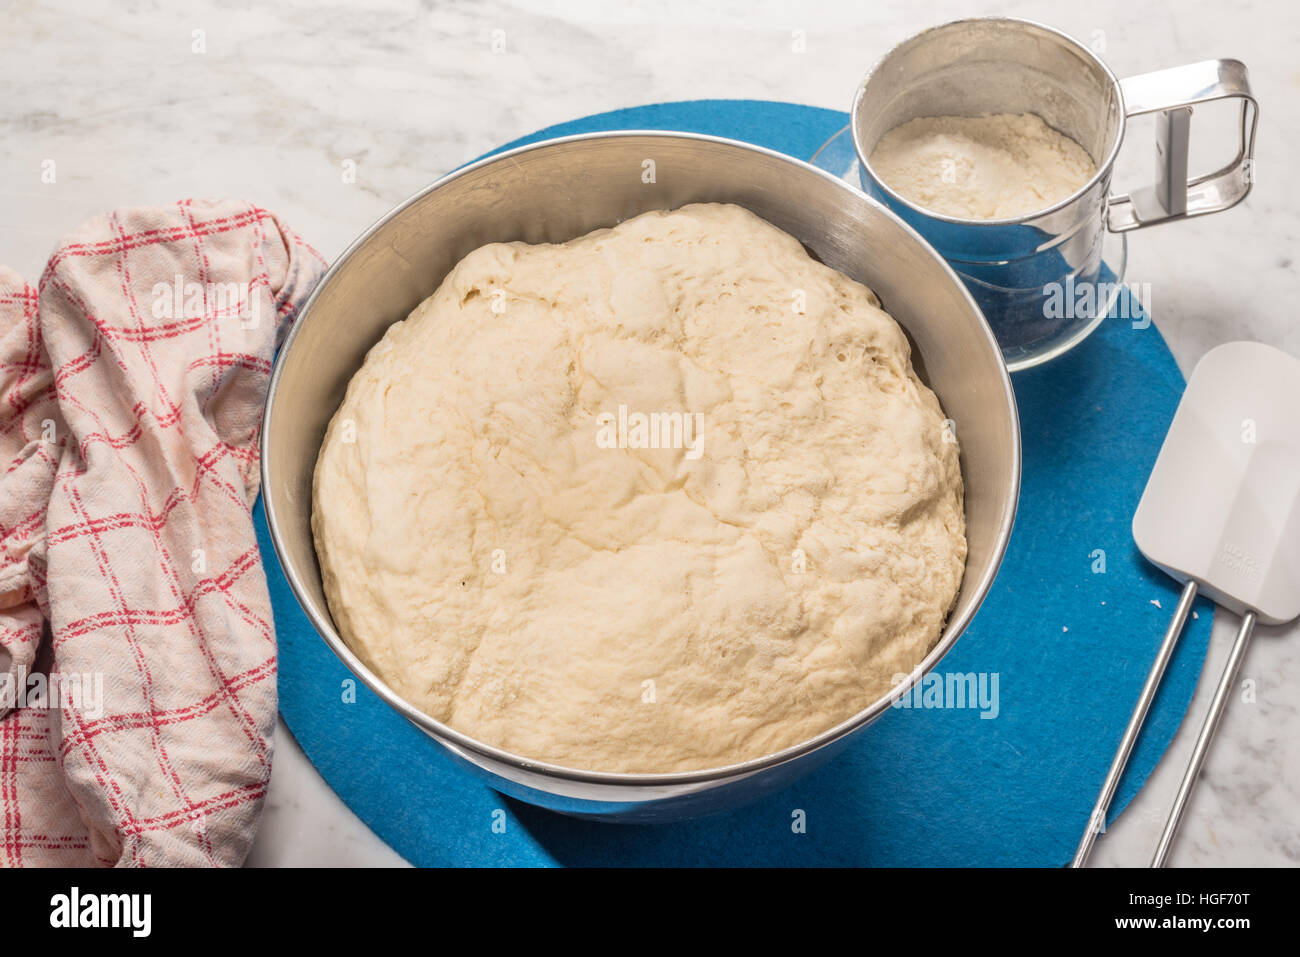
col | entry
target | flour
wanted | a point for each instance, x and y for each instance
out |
(999, 166)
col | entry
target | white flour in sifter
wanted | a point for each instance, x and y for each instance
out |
(998, 166)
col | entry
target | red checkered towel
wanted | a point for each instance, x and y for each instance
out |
(137, 651)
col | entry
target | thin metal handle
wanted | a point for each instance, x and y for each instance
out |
(1202, 747)
(1097, 820)
(1173, 93)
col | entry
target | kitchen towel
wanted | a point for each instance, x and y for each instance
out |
(137, 650)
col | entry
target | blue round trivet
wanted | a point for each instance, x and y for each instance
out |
(1069, 629)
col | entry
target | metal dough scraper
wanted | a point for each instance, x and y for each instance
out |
(1221, 514)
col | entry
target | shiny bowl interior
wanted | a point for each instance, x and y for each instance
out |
(555, 191)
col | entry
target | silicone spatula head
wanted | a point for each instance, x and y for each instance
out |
(1222, 506)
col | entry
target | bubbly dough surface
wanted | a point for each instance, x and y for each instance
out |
(496, 546)
(999, 166)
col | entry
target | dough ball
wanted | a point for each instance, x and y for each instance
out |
(666, 497)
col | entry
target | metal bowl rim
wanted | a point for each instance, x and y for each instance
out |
(1103, 169)
(438, 730)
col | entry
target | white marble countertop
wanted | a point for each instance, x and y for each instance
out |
(283, 94)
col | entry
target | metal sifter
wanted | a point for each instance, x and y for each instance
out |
(1221, 514)
(988, 65)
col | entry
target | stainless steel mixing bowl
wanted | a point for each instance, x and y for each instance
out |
(557, 190)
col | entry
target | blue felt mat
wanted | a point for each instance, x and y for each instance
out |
(1070, 644)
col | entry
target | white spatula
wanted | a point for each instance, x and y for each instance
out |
(1220, 513)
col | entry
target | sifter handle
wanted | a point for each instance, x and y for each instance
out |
(1173, 93)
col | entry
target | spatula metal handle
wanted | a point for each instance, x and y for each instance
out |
(1097, 820)
(1203, 741)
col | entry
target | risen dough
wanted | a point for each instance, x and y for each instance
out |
(998, 166)
(641, 609)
